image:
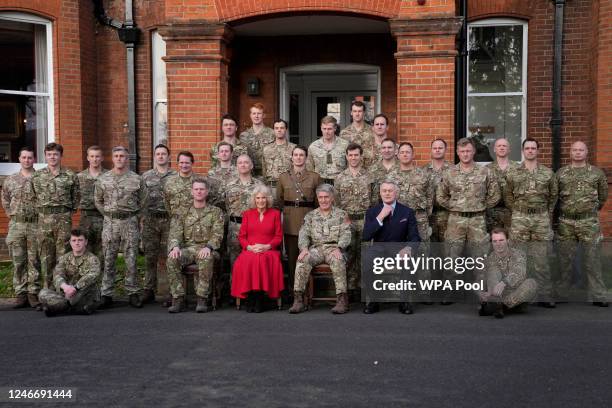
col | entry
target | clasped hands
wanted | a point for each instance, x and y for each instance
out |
(258, 248)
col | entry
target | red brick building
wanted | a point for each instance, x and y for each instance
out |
(437, 68)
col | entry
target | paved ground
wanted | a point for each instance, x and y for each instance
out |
(440, 356)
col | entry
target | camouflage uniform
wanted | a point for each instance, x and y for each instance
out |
(466, 195)
(511, 269)
(582, 192)
(221, 177)
(439, 215)
(355, 196)
(120, 199)
(177, 193)
(276, 161)
(532, 196)
(237, 200)
(239, 148)
(380, 173)
(364, 138)
(91, 220)
(56, 198)
(198, 228)
(155, 224)
(321, 235)
(82, 272)
(21, 239)
(500, 215)
(255, 143)
(328, 163)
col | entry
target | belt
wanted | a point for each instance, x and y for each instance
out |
(356, 216)
(467, 214)
(157, 214)
(526, 210)
(24, 218)
(91, 213)
(55, 210)
(121, 215)
(579, 216)
(327, 181)
(237, 220)
(296, 203)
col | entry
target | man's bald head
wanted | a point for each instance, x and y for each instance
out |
(579, 152)
(501, 147)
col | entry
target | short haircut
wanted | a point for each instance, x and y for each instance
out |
(325, 120)
(392, 182)
(258, 105)
(120, 149)
(94, 147)
(224, 143)
(227, 116)
(185, 153)
(530, 139)
(261, 189)
(54, 147)
(26, 149)
(464, 141)
(354, 146)
(499, 230)
(201, 180)
(302, 148)
(382, 115)
(440, 140)
(387, 139)
(78, 232)
(245, 155)
(162, 146)
(281, 121)
(406, 144)
(359, 104)
(326, 188)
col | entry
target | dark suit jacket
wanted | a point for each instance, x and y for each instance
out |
(399, 227)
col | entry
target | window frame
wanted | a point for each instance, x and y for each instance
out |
(157, 59)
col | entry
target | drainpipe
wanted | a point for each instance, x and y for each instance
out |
(556, 117)
(129, 35)
(460, 75)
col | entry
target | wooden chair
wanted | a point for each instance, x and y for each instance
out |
(322, 270)
(189, 271)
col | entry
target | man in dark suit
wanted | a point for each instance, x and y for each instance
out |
(388, 222)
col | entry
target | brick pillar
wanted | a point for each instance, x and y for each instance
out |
(425, 57)
(197, 74)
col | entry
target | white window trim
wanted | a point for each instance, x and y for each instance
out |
(502, 22)
(10, 168)
(154, 97)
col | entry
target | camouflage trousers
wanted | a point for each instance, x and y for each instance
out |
(532, 233)
(155, 242)
(21, 241)
(438, 221)
(54, 233)
(93, 226)
(317, 256)
(353, 272)
(89, 297)
(499, 217)
(233, 245)
(205, 271)
(524, 293)
(120, 235)
(466, 233)
(588, 234)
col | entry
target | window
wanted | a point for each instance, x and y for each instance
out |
(160, 96)
(497, 85)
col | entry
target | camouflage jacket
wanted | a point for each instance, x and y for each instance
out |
(199, 226)
(355, 193)
(471, 191)
(531, 189)
(238, 196)
(177, 194)
(416, 188)
(239, 148)
(16, 197)
(87, 184)
(125, 193)
(55, 191)
(255, 143)
(219, 178)
(436, 179)
(155, 181)
(510, 269)
(328, 163)
(276, 160)
(79, 271)
(500, 176)
(333, 230)
(582, 189)
(364, 138)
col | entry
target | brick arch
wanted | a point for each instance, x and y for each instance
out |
(45, 13)
(231, 10)
(480, 9)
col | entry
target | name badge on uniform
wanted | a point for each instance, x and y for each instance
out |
(329, 158)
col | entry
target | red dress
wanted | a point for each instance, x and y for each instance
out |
(262, 271)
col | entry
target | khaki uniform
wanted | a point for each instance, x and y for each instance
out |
(239, 148)
(532, 197)
(582, 192)
(321, 235)
(364, 138)
(439, 215)
(56, 198)
(500, 215)
(355, 194)
(512, 270)
(197, 229)
(276, 161)
(91, 220)
(120, 199)
(328, 163)
(21, 239)
(155, 225)
(296, 196)
(221, 177)
(82, 272)
(380, 173)
(255, 143)
(177, 193)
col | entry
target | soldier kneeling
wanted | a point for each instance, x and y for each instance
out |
(75, 278)
(507, 283)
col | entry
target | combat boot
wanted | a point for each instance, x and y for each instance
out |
(33, 300)
(148, 296)
(178, 305)
(499, 311)
(202, 306)
(341, 304)
(298, 303)
(21, 302)
(135, 300)
(52, 310)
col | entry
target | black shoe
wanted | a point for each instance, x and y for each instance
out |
(446, 303)
(483, 310)
(107, 302)
(49, 312)
(250, 302)
(370, 308)
(135, 301)
(499, 311)
(548, 305)
(259, 298)
(405, 308)
(427, 303)
(601, 304)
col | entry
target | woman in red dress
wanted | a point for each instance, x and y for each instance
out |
(258, 268)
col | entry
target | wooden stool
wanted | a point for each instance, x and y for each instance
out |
(189, 271)
(317, 271)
